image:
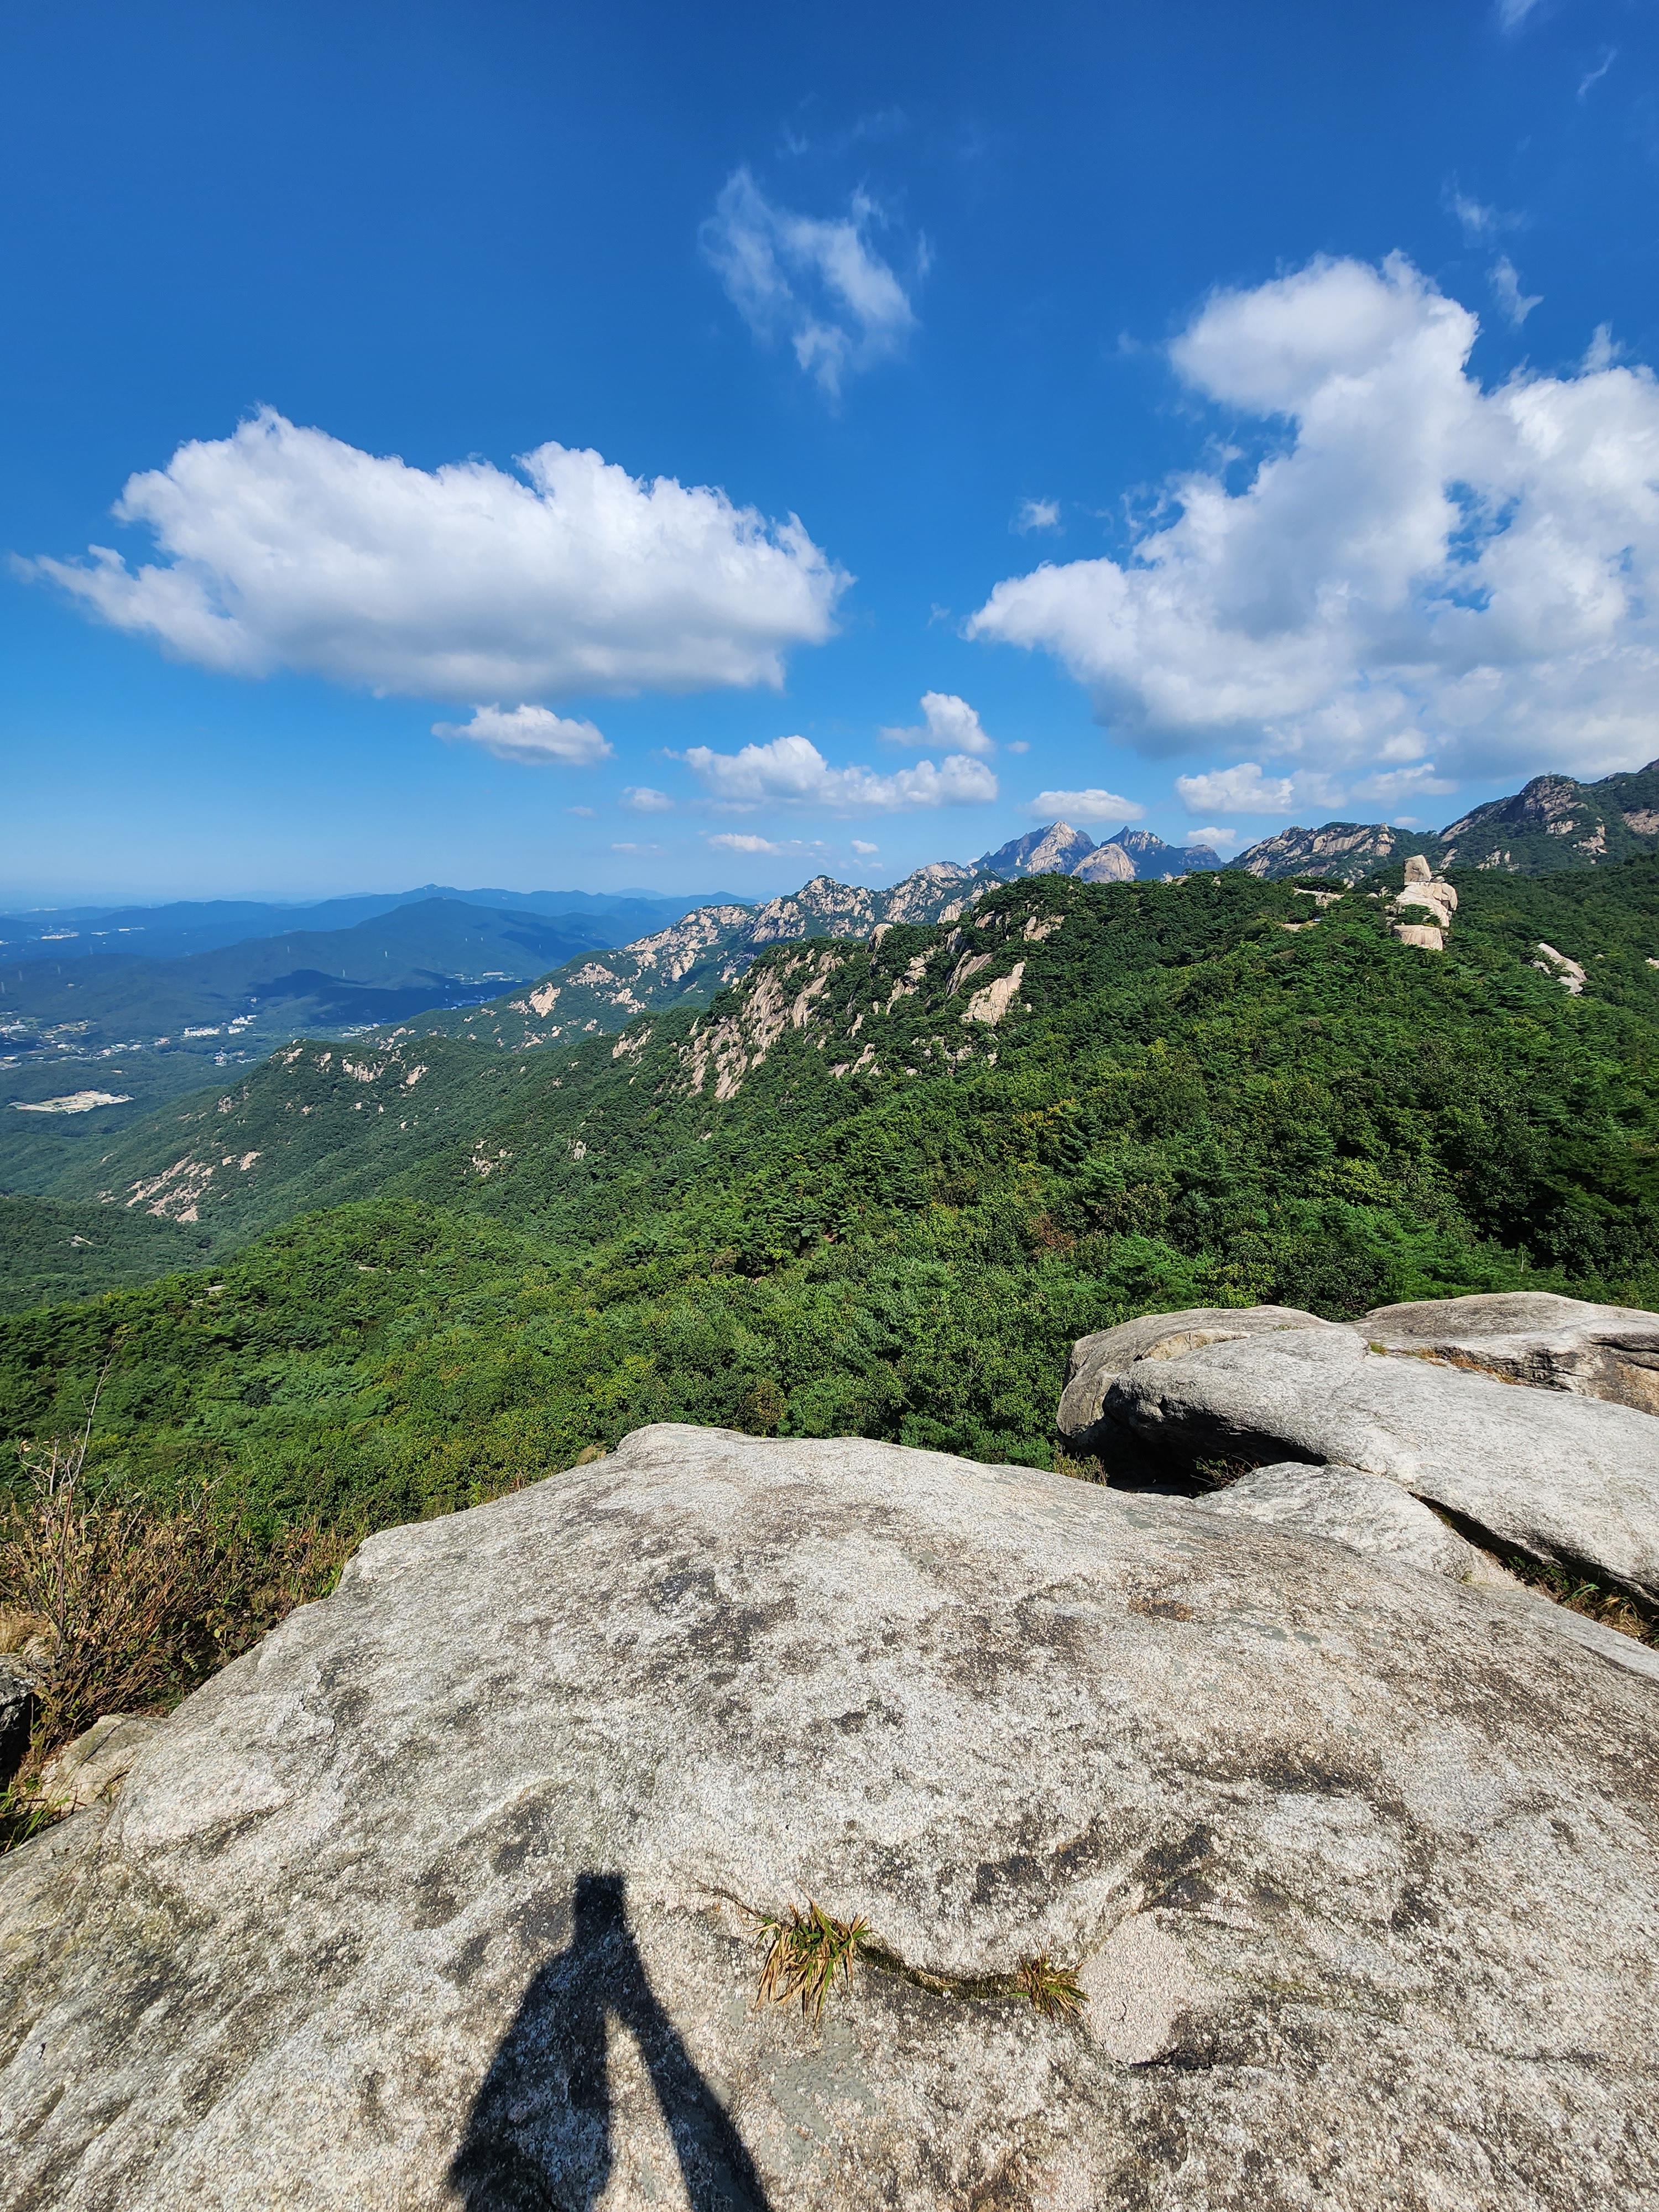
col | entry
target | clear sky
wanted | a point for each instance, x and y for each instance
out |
(585, 445)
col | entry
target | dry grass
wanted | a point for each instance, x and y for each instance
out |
(123, 1606)
(803, 1952)
(1595, 1601)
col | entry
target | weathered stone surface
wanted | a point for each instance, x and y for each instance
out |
(428, 1899)
(1371, 1514)
(1561, 1478)
(1097, 1361)
(1533, 1336)
(99, 1760)
(1366, 1512)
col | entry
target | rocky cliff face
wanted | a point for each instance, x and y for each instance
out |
(703, 953)
(1554, 822)
(1132, 854)
(1336, 1879)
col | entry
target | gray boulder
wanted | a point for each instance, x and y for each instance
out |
(1563, 1480)
(1370, 1514)
(1366, 1512)
(1533, 1336)
(443, 1894)
(1097, 1361)
(99, 1760)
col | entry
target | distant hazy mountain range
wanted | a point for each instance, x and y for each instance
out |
(188, 926)
(411, 955)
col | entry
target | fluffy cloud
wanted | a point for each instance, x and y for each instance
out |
(1037, 514)
(1213, 835)
(1419, 567)
(642, 800)
(286, 549)
(820, 284)
(1243, 788)
(863, 850)
(530, 733)
(946, 721)
(791, 771)
(1076, 807)
(737, 841)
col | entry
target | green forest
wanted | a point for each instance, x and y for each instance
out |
(1218, 1091)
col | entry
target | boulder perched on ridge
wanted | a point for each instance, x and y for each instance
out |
(1097, 1361)
(1564, 1479)
(446, 1893)
(1532, 1336)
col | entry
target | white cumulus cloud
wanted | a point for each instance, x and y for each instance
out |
(863, 850)
(1420, 567)
(1213, 835)
(1244, 789)
(737, 841)
(1075, 807)
(791, 771)
(816, 283)
(284, 548)
(1037, 514)
(945, 720)
(642, 800)
(1241, 789)
(535, 734)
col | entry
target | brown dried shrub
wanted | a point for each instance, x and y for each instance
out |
(130, 1604)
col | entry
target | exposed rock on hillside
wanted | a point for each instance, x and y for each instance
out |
(434, 1898)
(1055, 851)
(1060, 850)
(1554, 822)
(1563, 1480)
(1368, 1513)
(1425, 905)
(1532, 1336)
(687, 964)
(1107, 864)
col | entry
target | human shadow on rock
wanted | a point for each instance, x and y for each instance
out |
(539, 2137)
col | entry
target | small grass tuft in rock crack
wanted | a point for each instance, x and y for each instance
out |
(803, 1952)
(1054, 1992)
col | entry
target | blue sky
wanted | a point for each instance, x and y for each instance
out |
(693, 447)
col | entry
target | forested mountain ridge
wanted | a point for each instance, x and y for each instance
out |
(1554, 822)
(879, 1187)
(703, 953)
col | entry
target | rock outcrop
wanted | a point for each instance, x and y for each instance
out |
(443, 1894)
(1532, 1336)
(1097, 1361)
(1368, 1513)
(1425, 905)
(99, 1760)
(1563, 1480)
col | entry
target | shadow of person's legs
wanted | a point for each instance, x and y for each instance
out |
(538, 2137)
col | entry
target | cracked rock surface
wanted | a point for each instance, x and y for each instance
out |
(432, 1898)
